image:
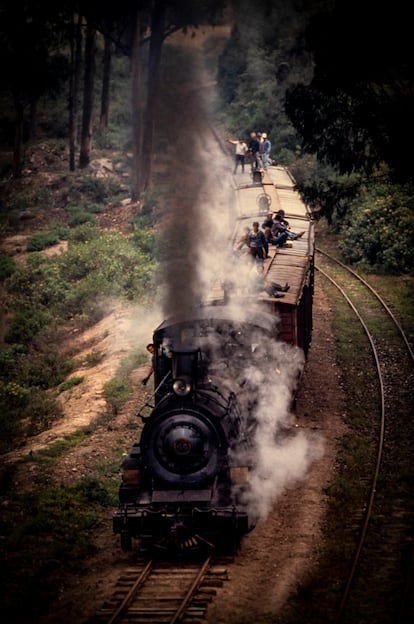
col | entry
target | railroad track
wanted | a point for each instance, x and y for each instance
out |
(380, 585)
(159, 592)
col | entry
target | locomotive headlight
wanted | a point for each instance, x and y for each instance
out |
(181, 387)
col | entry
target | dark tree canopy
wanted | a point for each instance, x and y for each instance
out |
(357, 110)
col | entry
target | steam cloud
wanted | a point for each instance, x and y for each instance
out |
(199, 221)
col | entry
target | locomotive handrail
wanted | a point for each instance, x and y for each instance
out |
(147, 403)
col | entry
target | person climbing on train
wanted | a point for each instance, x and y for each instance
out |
(151, 349)
(242, 244)
(239, 154)
(257, 242)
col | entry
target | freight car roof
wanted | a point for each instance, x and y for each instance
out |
(286, 264)
(289, 264)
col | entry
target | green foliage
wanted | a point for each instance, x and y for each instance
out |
(40, 413)
(260, 61)
(24, 410)
(25, 324)
(95, 190)
(83, 212)
(324, 190)
(43, 294)
(356, 115)
(380, 230)
(7, 266)
(117, 392)
(45, 367)
(53, 235)
(70, 383)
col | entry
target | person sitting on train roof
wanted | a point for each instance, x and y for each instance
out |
(257, 242)
(239, 154)
(258, 283)
(281, 225)
(267, 227)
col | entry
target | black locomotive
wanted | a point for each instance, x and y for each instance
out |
(218, 377)
(185, 484)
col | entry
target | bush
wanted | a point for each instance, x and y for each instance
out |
(380, 232)
(25, 325)
(117, 392)
(53, 235)
(7, 266)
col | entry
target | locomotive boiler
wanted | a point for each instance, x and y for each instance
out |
(185, 483)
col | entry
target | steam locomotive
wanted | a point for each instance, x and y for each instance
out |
(186, 484)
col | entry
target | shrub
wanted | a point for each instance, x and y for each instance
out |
(25, 325)
(117, 392)
(70, 383)
(55, 233)
(45, 368)
(80, 216)
(7, 266)
(380, 232)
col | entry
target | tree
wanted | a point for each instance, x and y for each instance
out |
(107, 55)
(357, 110)
(30, 40)
(75, 63)
(167, 17)
(88, 94)
(156, 41)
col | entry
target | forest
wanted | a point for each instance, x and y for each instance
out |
(332, 87)
(86, 156)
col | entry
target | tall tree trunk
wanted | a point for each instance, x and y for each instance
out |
(88, 97)
(76, 64)
(18, 136)
(33, 118)
(136, 110)
(107, 57)
(157, 37)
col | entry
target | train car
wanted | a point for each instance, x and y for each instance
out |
(271, 191)
(186, 483)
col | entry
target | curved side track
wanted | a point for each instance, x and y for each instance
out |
(385, 540)
(163, 593)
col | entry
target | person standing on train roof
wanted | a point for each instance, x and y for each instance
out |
(240, 153)
(265, 147)
(254, 146)
(257, 242)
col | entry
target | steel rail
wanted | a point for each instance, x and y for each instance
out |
(410, 573)
(380, 448)
(380, 299)
(191, 591)
(132, 592)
